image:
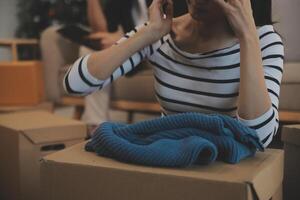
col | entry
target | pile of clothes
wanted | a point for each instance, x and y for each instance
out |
(179, 140)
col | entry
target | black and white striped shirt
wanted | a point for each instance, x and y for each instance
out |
(200, 82)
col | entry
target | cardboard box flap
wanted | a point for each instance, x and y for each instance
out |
(268, 175)
(43, 127)
(56, 134)
(253, 172)
(291, 134)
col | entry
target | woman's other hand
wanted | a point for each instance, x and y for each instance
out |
(160, 22)
(239, 15)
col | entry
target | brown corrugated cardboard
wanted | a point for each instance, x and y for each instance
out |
(44, 106)
(26, 137)
(21, 83)
(74, 174)
(291, 139)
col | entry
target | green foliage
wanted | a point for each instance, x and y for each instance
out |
(36, 15)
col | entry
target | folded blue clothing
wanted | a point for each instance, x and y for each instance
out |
(178, 140)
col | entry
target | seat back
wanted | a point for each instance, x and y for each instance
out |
(286, 14)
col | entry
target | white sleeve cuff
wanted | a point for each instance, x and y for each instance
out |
(257, 121)
(87, 74)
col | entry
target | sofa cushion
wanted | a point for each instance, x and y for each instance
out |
(139, 87)
(286, 15)
(291, 73)
(290, 97)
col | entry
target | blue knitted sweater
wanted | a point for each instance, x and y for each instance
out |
(177, 140)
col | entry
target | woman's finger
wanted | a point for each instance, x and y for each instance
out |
(236, 2)
(247, 3)
(169, 9)
(223, 4)
(158, 3)
(157, 6)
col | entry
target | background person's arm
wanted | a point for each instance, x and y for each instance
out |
(96, 17)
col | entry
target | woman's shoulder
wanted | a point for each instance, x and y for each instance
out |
(270, 41)
(268, 32)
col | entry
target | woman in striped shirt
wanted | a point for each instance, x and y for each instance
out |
(222, 57)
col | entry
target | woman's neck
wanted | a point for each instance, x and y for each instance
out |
(208, 29)
(202, 36)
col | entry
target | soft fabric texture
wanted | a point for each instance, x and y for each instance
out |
(177, 140)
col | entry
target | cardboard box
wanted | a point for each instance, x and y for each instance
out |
(74, 174)
(21, 83)
(26, 137)
(44, 106)
(291, 139)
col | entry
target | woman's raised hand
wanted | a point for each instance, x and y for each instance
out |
(160, 17)
(239, 15)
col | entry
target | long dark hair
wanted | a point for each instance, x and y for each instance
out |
(262, 12)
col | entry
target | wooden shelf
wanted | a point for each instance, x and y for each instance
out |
(289, 116)
(119, 105)
(72, 101)
(8, 42)
(144, 107)
(14, 43)
(132, 106)
(128, 106)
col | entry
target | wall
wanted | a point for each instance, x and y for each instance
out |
(287, 14)
(8, 23)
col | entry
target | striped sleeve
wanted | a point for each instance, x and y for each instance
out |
(272, 50)
(78, 80)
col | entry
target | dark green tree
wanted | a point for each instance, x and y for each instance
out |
(36, 15)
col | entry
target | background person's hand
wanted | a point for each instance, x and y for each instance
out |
(106, 39)
(239, 15)
(160, 22)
